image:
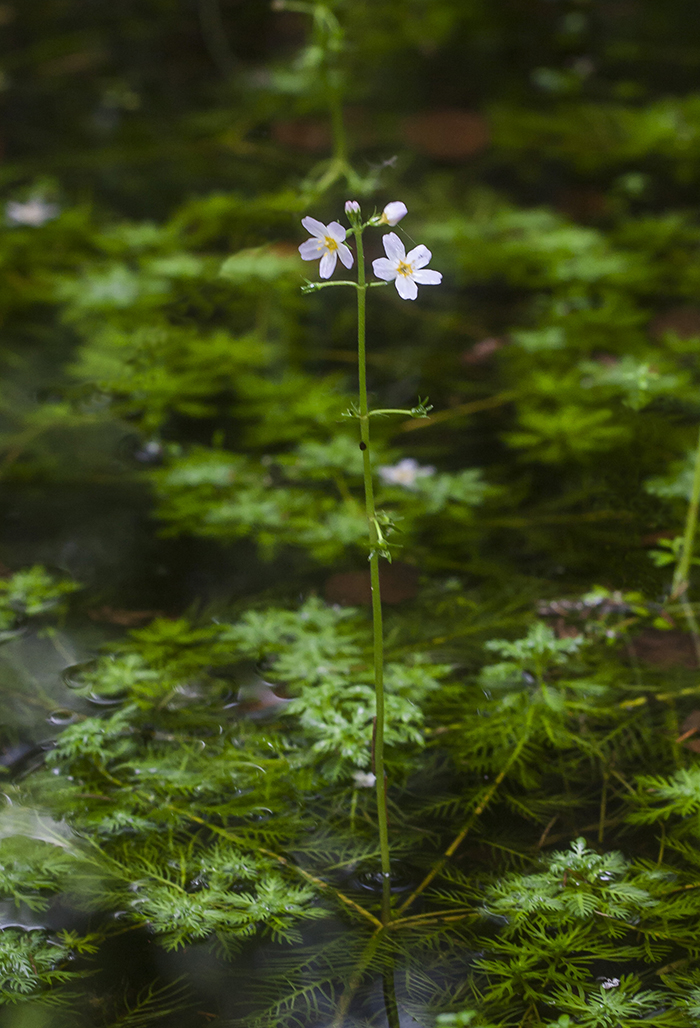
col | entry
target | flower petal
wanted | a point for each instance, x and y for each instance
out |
(394, 212)
(328, 262)
(314, 227)
(311, 250)
(406, 287)
(419, 256)
(428, 277)
(345, 254)
(384, 268)
(393, 247)
(336, 231)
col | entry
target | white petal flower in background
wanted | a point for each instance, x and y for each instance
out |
(364, 779)
(406, 270)
(327, 244)
(393, 213)
(405, 473)
(34, 212)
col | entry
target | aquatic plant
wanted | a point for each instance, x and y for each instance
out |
(211, 783)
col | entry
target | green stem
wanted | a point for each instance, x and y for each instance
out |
(603, 809)
(475, 814)
(390, 1004)
(283, 861)
(335, 104)
(382, 819)
(693, 626)
(356, 978)
(680, 577)
(214, 36)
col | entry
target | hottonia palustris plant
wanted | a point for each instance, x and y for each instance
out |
(407, 271)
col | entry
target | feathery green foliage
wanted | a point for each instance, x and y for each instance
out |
(170, 400)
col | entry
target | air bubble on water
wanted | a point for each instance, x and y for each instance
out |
(150, 453)
(72, 675)
(13, 633)
(133, 448)
(105, 701)
(62, 717)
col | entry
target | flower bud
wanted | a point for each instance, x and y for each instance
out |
(393, 213)
(352, 207)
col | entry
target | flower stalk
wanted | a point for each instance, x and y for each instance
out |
(327, 245)
(374, 542)
(681, 575)
(682, 571)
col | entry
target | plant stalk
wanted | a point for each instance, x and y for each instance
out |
(476, 813)
(378, 633)
(680, 577)
(356, 978)
(335, 105)
(390, 1004)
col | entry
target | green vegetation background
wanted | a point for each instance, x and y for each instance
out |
(173, 445)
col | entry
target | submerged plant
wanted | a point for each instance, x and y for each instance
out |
(336, 794)
(401, 267)
(479, 805)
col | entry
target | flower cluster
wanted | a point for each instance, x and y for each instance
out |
(406, 270)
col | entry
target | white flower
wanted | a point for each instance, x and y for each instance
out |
(405, 269)
(352, 207)
(405, 472)
(34, 212)
(364, 779)
(327, 243)
(393, 213)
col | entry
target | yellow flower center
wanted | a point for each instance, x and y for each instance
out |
(331, 244)
(404, 269)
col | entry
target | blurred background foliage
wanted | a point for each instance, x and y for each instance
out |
(548, 151)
